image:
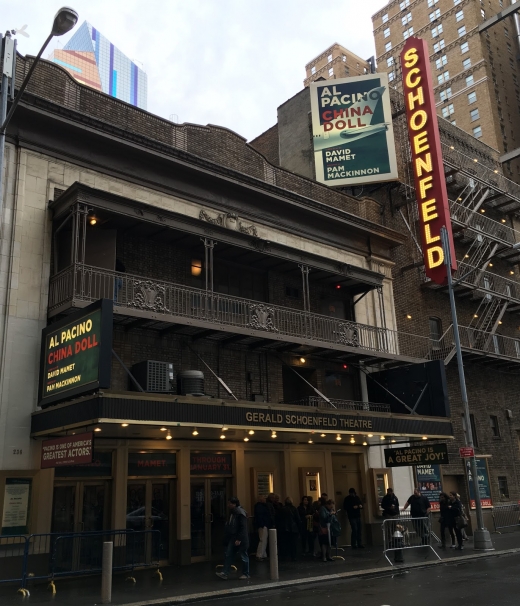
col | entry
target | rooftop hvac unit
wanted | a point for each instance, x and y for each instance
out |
(153, 376)
(190, 382)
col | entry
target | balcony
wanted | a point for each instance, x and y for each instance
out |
(159, 305)
(333, 403)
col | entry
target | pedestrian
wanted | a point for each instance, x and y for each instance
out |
(420, 508)
(457, 519)
(325, 518)
(446, 520)
(236, 539)
(290, 529)
(463, 530)
(390, 504)
(316, 508)
(262, 522)
(335, 528)
(352, 505)
(305, 513)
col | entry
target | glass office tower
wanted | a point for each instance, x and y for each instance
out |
(92, 59)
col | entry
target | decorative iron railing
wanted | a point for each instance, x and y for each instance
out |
(164, 300)
(318, 402)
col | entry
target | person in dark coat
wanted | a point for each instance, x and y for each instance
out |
(262, 522)
(352, 505)
(420, 508)
(455, 511)
(325, 519)
(236, 539)
(305, 513)
(290, 529)
(446, 520)
(390, 504)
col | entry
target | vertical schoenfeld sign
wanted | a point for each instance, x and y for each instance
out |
(352, 130)
(425, 143)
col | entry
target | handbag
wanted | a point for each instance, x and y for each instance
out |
(461, 522)
(323, 531)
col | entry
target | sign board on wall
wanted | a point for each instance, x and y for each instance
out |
(429, 482)
(76, 354)
(417, 455)
(209, 463)
(15, 516)
(70, 450)
(427, 165)
(152, 463)
(352, 130)
(483, 483)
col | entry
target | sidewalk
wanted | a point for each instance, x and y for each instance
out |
(198, 581)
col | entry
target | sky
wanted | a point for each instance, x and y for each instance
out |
(224, 62)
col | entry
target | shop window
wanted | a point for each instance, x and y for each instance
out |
(503, 488)
(495, 428)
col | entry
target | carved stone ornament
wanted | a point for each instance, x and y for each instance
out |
(229, 220)
(149, 296)
(348, 334)
(262, 317)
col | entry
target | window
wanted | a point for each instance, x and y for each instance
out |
(438, 46)
(444, 77)
(495, 429)
(464, 48)
(439, 63)
(404, 4)
(459, 16)
(388, 47)
(347, 71)
(391, 76)
(436, 332)
(447, 110)
(473, 114)
(455, 2)
(445, 94)
(292, 292)
(313, 70)
(331, 72)
(470, 80)
(509, 47)
(461, 31)
(435, 15)
(501, 3)
(406, 19)
(386, 33)
(454, 122)
(436, 31)
(473, 428)
(407, 33)
(472, 97)
(517, 348)
(432, 3)
(344, 58)
(466, 64)
(503, 488)
(506, 32)
(389, 61)
(385, 18)
(477, 133)
(329, 58)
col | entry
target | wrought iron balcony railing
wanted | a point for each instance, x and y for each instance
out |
(163, 301)
(318, 402)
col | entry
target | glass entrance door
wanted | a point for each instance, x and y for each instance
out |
(148, 508)
(80, 506)
(208, 517)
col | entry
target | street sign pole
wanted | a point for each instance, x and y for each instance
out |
(481, 536)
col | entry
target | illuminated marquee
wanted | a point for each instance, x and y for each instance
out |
(430, 184)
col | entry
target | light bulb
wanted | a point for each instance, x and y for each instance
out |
(222, 437)
(251, 432)
(195, 432)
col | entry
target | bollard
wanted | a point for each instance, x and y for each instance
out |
(106, 573)
(273, 554)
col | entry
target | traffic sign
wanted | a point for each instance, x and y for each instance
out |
(466, 452)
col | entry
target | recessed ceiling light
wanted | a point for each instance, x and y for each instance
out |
(222, 436)
(408, 317)
(338, 437)
(370, 435)
(382, 437)
(97, 429)
(273, 434)
(163, 429)
(225, 428)
(124, 424)
(323, 435)
(246, 439)
(168, 436)
(302, 360)
(393, 441)
(195, 432)
(251, 432)
(365, 443)
(310, 441)
(424, 437)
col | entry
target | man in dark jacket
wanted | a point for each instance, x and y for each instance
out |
(390, 504)
(420, 508)
(262, 523)
(353, 506)
(236, 538)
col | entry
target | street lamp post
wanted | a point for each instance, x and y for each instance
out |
(481, 536)
(64, 20)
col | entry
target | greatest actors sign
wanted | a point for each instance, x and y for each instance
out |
(70, 450)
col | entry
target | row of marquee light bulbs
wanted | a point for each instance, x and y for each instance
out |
(251, 432)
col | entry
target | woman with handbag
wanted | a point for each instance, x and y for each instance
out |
(456, 519)
(446, 520)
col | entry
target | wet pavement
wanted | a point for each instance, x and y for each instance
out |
(200, 578)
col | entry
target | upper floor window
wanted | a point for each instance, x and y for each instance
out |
(441, 61)
(391, 76)
(389, 61)
(406, 19)
(506, 32)
(331, 72)
(438, 46)
(444, 77)
(466, 64)
(388, 47)
(470, 80)
(329, 58)
(435, 15)
(503, 488)
(404, 4)
(386, 32)
(455, 2)
(432, 3)
(464, 48)
(436, 31)
(473, 428)
(447, 110)
(482, 13)
(474, 115)
(313, 69)
(445, 94)
(435, 332)
(477, 133)
(461, 31)
(344, 58)
(407, 33)
(509, 47)
(495, 429)
(472, 97)
(459, 16)
(385, 17)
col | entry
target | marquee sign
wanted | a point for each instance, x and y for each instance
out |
(430, 184)
(76, 354)
(416, 455)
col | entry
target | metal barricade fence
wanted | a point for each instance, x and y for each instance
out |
(53, 555)
(12, 550)
(401, 534)
(506, 516)
(406, 514)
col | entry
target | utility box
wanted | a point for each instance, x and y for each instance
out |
(153, 376)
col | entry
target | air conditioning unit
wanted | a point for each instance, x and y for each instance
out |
(153, 376)
(190, 383)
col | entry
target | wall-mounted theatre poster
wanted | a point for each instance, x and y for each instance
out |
(76, 354)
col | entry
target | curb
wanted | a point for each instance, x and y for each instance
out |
(357, 574)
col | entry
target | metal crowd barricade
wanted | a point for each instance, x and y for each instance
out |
(406, 515)
(12, 550)
(401, 534)
(506, 516)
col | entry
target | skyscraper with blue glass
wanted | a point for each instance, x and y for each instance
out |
(93, 60)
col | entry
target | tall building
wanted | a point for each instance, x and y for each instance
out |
(92, 59)
(336, 62)
(476, 74)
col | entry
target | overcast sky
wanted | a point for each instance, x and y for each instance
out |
(225, 62)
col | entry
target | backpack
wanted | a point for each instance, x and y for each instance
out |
(335, 526)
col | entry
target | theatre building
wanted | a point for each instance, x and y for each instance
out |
(209, 317)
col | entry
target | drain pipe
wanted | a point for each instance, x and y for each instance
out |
(517, 28)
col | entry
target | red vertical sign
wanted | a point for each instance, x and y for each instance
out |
(425, 143)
